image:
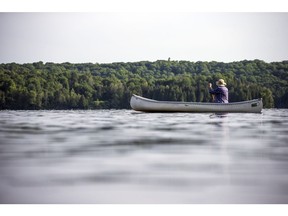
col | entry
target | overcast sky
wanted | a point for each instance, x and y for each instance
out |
(129, 37)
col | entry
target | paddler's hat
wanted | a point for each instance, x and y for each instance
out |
(221, 82)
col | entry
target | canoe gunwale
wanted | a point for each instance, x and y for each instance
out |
(197, 103)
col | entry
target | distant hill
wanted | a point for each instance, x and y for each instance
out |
(106, 86)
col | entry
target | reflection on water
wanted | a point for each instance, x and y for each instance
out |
(123, 156)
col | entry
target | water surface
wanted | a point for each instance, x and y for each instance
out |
(123, 156)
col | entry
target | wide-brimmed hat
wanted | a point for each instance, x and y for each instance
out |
(221, 82)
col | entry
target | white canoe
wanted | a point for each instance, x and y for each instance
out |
(147, 105)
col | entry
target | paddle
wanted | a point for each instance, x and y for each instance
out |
(212, 95)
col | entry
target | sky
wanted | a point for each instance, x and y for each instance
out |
(106, 37)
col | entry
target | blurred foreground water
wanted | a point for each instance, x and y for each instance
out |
(123, 156)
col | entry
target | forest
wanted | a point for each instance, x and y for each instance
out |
(49, 85)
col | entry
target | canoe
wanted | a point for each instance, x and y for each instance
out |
(139, 103)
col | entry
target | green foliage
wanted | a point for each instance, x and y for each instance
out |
(106, 86)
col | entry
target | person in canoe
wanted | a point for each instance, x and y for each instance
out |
(220, 94)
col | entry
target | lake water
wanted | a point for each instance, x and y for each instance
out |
(124, 156)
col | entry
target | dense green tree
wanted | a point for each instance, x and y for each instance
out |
(96, 86)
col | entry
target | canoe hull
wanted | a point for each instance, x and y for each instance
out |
(139, 103)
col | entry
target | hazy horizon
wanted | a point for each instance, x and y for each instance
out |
(107, 37)
(47, 62)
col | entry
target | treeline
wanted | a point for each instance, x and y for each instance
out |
(105, 86)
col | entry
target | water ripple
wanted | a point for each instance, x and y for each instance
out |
(193, 157)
